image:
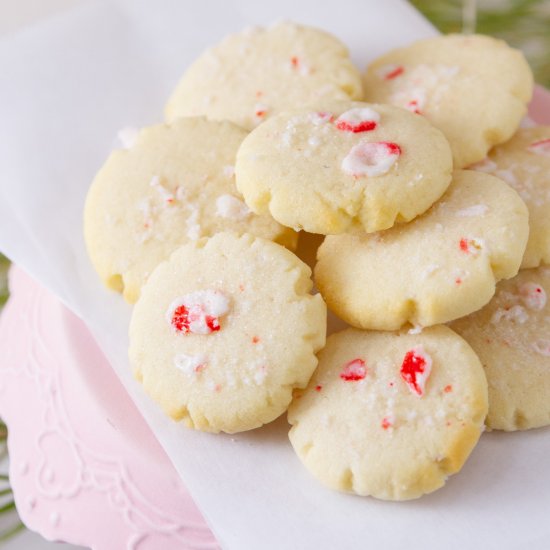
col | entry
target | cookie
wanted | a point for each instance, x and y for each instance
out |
(350, 167)
(173, 185)
(225, 330)
(473, 88)
(390, 415)
(511, 336)
(439, 267)
(252, 75)
(524, 163)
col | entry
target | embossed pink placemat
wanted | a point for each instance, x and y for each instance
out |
(85, 467)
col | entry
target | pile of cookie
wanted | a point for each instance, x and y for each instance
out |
(428, 194)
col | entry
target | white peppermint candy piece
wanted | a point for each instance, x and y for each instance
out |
(533, 296)
(360, 119)
(191, 365)
(371, 159)
(228, 206)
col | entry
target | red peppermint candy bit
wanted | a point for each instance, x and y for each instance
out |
(294, 61)
(212, 323)
(541, 147)
(255, 339)
(363, 126)
(415, 370)
(414, 107)
(469, 246)
(180, 319)
(318, 387)
(448, 388)
(386, 423)
(183, 317)
(394, 73)
(354, 370)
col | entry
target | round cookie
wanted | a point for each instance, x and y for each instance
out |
(473, 88)
(524, 163)
(390, 415)
(225, 330)
(173, 185)
(439, 267)
(350, 167)
(511, 336)
(252, 75)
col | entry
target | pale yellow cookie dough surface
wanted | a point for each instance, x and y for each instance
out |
(242, 375)
(511, 336)
(473, 88)
(375, 436)
(524, 163)
(254, 74)
(175, 184)
(437, 268)
(296, 166)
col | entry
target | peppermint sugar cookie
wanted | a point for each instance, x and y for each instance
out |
(174, 184)
(351, 167)
(259, 72)
(511, 336)
(437, 268)
(390, 415)
(524, 163)
(473, 88)
(225, 330)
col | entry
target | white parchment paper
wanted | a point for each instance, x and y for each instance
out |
(66, 87)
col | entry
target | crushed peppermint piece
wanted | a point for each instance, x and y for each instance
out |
(448, 388)
(371, 159)
(415, 369)
(542, 346)
(260, 375)
(228, 206)
(387, 422)
(471, 246)
(319, 118)
(416, 329)
(360, 119)
(128, 136)
(354, 370)
(533, 296)
(260, 110)
(541, 147)
(318, 387)
(514, 314)
(472, 211)
(198, 312)
(165, 195)
(389, 72)
(191, 365)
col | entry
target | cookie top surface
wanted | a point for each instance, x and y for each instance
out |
(252, 75)
(524, 163)
(225, 330)
(439, 267)
(473, 88)
(511, 336)
(351, 167)
(174, 185)
(390, 414)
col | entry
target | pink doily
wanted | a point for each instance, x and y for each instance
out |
(85, 467)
